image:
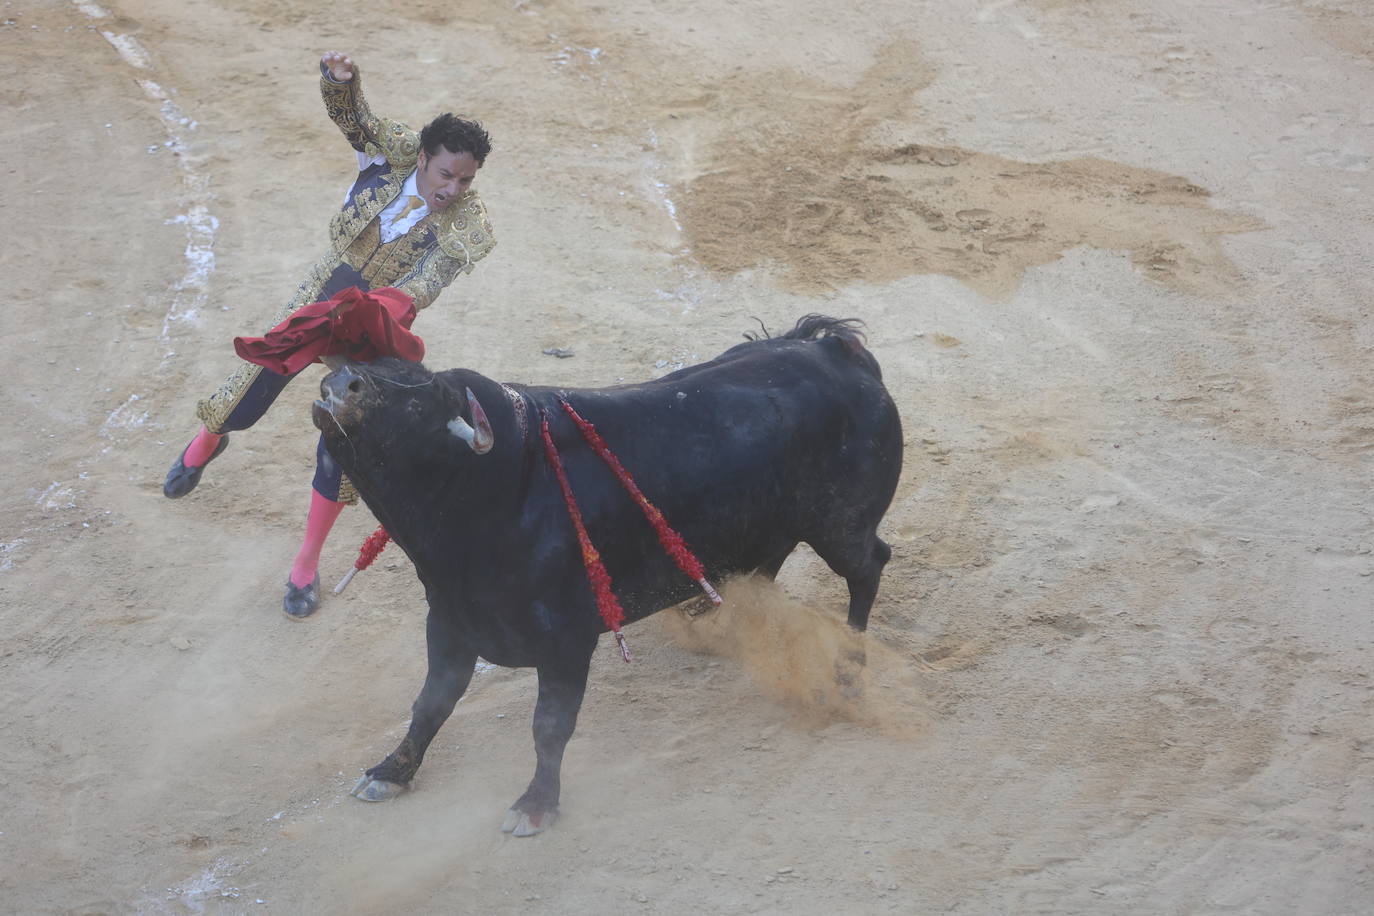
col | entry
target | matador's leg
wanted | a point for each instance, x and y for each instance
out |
(238, 404)
(243, 398)
(331, 492)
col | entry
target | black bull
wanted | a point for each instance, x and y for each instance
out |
(774, 442)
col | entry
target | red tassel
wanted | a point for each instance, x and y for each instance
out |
(672, 542)
(375, 544)
(606, 603)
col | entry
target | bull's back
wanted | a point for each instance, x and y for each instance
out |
(744, 455)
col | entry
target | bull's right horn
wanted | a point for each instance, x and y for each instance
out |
(481, 439)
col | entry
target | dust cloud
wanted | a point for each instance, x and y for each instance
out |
(808, 658)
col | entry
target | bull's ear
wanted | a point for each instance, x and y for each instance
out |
(477, 434)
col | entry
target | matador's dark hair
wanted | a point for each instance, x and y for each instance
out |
(457, 136)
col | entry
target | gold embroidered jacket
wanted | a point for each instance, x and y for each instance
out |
(427, 257)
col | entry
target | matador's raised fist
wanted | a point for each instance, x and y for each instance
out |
(340, 66)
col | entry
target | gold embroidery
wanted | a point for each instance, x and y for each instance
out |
(428, 278)
(348, 494)
(467, 247)
(344, 104)
(362, 248)
(356, 216)
(365, 132)
(214, 411)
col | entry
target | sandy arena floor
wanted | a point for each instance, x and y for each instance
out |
(1115, 260)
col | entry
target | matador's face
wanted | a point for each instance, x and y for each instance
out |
(444, 177)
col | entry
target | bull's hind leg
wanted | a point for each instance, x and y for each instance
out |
(773, 564)
(562, 683)
(450, 670)
(861, 562)
(863, 585)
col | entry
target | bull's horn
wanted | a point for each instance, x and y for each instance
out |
(481, 439)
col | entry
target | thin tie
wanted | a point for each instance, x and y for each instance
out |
(412, 203)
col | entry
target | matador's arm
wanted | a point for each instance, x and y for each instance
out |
(364, 131)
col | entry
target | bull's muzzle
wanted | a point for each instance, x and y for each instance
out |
(341, 389)
(339, 397)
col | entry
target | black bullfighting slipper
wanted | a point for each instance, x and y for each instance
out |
(301, 601)
(181, 479)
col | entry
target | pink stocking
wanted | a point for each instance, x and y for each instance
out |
(201, 448)
(323, 513)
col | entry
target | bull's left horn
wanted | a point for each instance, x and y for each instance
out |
(481, 439)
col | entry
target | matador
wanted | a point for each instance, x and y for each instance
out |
(411, 221)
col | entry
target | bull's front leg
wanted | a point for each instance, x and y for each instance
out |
(451, 664)
(562, 683)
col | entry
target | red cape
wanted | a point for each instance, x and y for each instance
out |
(357, 324)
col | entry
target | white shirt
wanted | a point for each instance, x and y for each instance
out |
(390, 230)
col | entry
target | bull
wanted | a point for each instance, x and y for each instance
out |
(777, 441)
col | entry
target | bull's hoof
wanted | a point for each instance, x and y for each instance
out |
(375, 790)
(695, 607)
(523, 823)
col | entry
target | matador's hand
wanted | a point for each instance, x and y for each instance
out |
(340, 66)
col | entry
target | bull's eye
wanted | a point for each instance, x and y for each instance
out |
(355, 386)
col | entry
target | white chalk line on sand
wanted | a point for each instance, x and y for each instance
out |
(7, 550)
(1003, 9)
(656, 188)
(189, 292)
(686, 292)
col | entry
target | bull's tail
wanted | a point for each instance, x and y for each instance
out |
(849, 331)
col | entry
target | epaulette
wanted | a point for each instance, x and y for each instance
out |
(399, 144)
(466, 234)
